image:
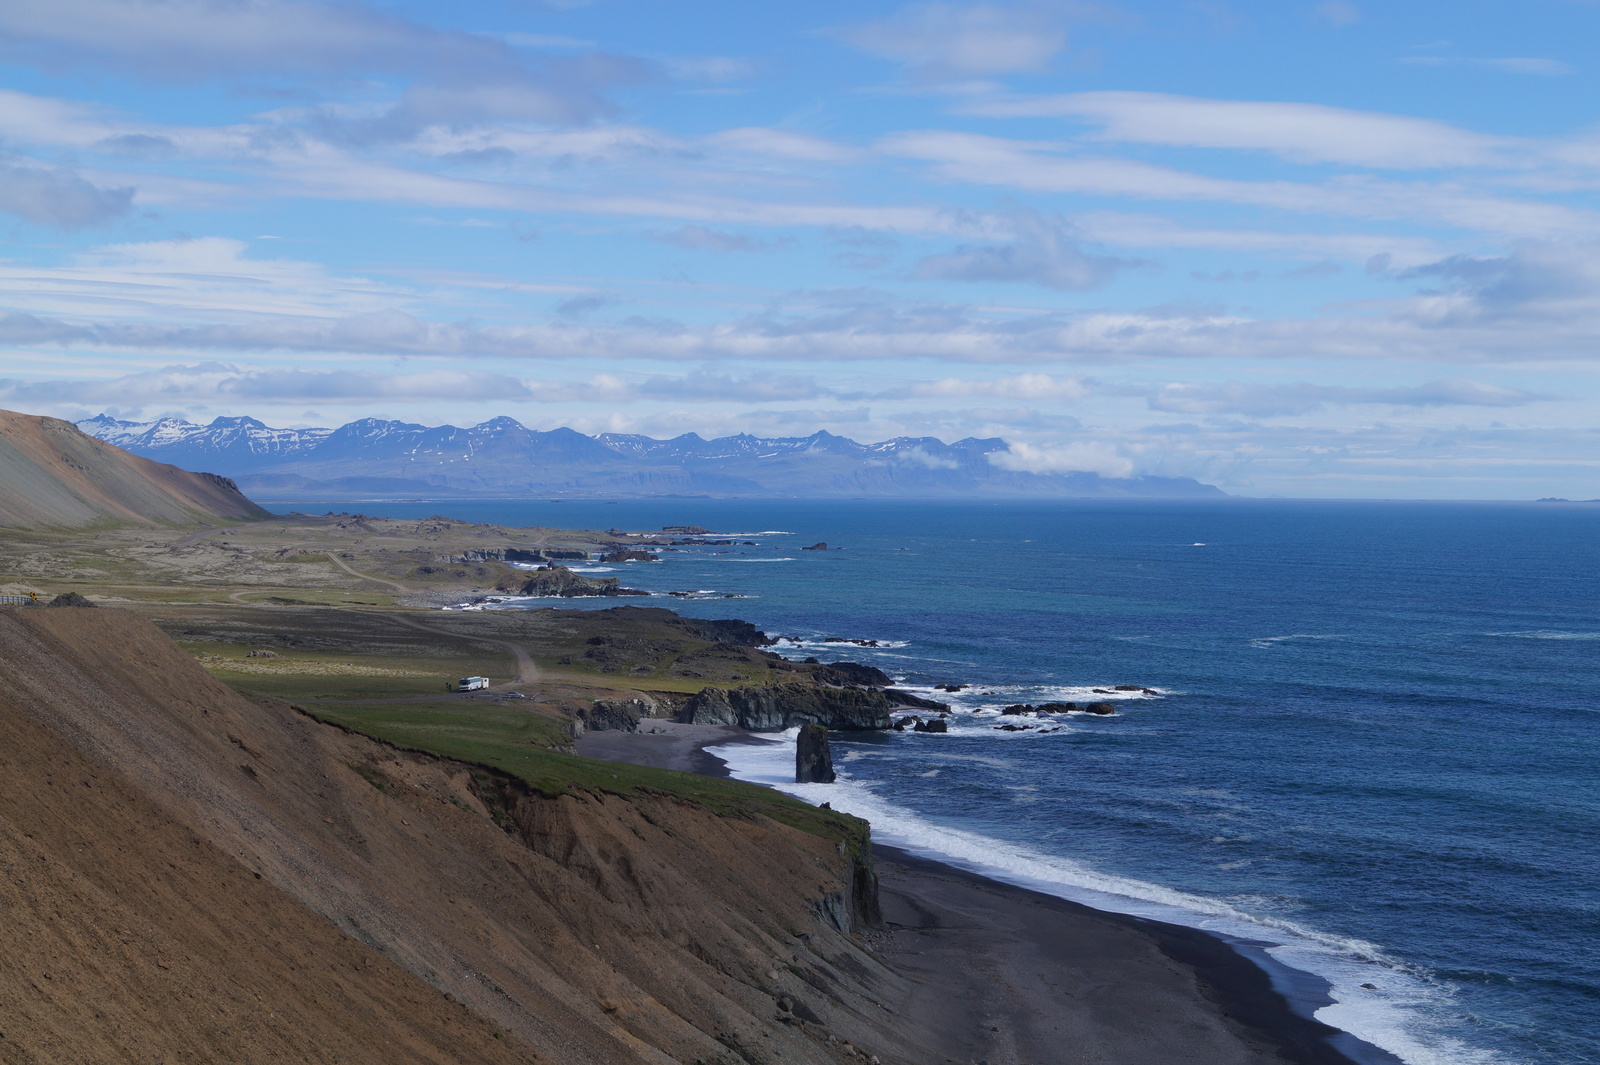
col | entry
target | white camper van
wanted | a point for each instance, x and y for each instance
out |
(471, 684)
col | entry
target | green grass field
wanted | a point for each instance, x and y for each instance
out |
(517, 740)
(308, 675)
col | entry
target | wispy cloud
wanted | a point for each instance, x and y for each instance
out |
(943, 41)
(700, 238)
(1264, 401)
(1543, 68)
(59, 197)
(1303, 133)
(1044, 251)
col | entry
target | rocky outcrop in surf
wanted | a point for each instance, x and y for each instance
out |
(561, 581)
(775, 707)
(813, 758)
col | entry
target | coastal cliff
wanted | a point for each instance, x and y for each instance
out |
(201, 876)
(775, 707)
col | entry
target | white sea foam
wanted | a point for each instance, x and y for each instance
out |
(1269, 642)
(818, 642)
(1548, 634)
(758, 560)
(1401, 1012)
(990, 698)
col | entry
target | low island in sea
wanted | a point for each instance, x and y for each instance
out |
(247, 813)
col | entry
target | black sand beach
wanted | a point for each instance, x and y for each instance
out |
(1006, 976)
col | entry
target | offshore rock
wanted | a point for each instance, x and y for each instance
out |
(776, 707)
(936, 724)
(629, 554)
(1100, 708)
(559, 580)
(813, 760)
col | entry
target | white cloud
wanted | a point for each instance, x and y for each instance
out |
(1543, 68)
(1338, 12)
(1030, 387)
(782, 144)
(1266, 401)
(699, 238)
(1041, 167)
(228, 383)
(1046, 252)
(943, 41)
(1305, 133)
(207, 278)
(59, 197)
(1077, 457)
(715, 69)
(175, 39)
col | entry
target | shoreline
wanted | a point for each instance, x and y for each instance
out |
(1010, 974)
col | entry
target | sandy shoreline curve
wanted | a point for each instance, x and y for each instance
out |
(1003, 975)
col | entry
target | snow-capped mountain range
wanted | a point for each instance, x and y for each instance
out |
(503, 457)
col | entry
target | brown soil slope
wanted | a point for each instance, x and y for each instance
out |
(188, 875)
(52, 474)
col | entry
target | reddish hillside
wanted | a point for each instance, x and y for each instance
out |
(52, 474)
(190, 875)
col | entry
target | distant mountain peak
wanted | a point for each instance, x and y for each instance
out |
(502, 455)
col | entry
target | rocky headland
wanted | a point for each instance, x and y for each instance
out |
(553, 579)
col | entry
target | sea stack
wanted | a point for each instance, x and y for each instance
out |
(813, 761)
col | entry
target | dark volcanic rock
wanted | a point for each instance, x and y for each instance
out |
(773, 708)
(71, 599)
(1058, 708)
(1100, 708)
(629, 554)
(727, 630)
(905, 698)
(559, 580)
(934, 725)
(813, 760)
(614, 715)
(851, 673)
(1016, 709)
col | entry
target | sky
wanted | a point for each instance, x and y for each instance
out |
(1328, 249)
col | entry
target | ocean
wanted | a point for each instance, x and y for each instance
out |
(1373, 755)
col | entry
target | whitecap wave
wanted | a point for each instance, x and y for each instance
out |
(1269, 642)
(1547, 634)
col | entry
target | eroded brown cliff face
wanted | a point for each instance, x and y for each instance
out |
(192, 875)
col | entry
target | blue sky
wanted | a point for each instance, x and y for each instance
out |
(1292, 248)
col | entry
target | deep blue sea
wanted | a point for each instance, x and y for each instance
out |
(1376, 746)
